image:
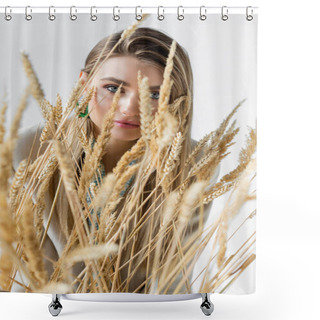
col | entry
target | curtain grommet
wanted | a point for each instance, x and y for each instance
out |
(160, 16)
(180, 16)
(203, 16)
(28, 16)
(138, 16)
(224, 13)
(249, 17)
(7, 16)
(73, 16)
(116, 17)
(93, 17)
(51, 16)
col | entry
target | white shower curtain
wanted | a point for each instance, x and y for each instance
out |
(216, 60)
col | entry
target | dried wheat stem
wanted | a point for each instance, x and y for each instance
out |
(135, 152)
(58, 110)
(31, 244)
(146, 115)
(17, 183)
(36, 89)
(3, 120)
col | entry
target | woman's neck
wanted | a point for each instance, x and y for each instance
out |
(114, 151)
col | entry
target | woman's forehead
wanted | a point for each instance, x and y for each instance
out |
(126, 66)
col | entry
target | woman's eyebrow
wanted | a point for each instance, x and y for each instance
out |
(126, 84)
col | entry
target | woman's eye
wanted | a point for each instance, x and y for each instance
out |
(156, 95)
(110, 88)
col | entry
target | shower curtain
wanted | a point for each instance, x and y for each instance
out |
(128, 150)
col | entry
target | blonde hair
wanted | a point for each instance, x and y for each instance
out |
(149, 46)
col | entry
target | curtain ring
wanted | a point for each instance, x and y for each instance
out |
(160, 16)
(180, 16)
(138, 16)
(73, 16)
(224, 16)
(8, 17)
(93, 17)
(203, 16)
(51, 16)
(249, 17)
(116, 17)
(28, 16)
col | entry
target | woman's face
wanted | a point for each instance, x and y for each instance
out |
(113, 72)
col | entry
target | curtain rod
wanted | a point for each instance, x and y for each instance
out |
(124, 9)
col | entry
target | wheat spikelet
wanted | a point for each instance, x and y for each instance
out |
(202, 163)
(47, 131)
(242, 187)
(40, 201)
(172, 162)
(198, 148)
(222, 240)
(45, 107)
(229, 179)
(170, 207)
(212, 194)
(168, 128)
(146, 115)
(104, 191)
(135, 152)
(65, 165)
(91, 252)
(92, 162)
(48, 168)
(165, 88)
(7, 226)
(2, 121)
(5, 164)
(56, 288)
(212, 163)
(162, 113)
(58, 110)
(17, 183)
(36, 89)
(32, 245)
(84, 140)
(86, 99)
(219, 132)
(190, 200)
(174, 153)
(73, 98)
(6, 265)
(130, 30)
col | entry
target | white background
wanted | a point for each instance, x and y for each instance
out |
(288, 214)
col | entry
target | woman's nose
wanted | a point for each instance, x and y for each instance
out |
(129, 104)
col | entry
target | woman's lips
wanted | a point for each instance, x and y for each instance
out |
(126, 124)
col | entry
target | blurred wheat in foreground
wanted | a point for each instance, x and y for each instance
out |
(138, 232)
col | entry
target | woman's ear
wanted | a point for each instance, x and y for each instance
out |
(83, 76)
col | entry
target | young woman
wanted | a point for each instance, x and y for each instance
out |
(147, 51)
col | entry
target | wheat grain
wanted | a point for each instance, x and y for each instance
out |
(146, 114)
(32, 245)
(2, 121)
(35, 85)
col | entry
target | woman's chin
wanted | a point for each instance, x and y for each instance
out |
(124, 136)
